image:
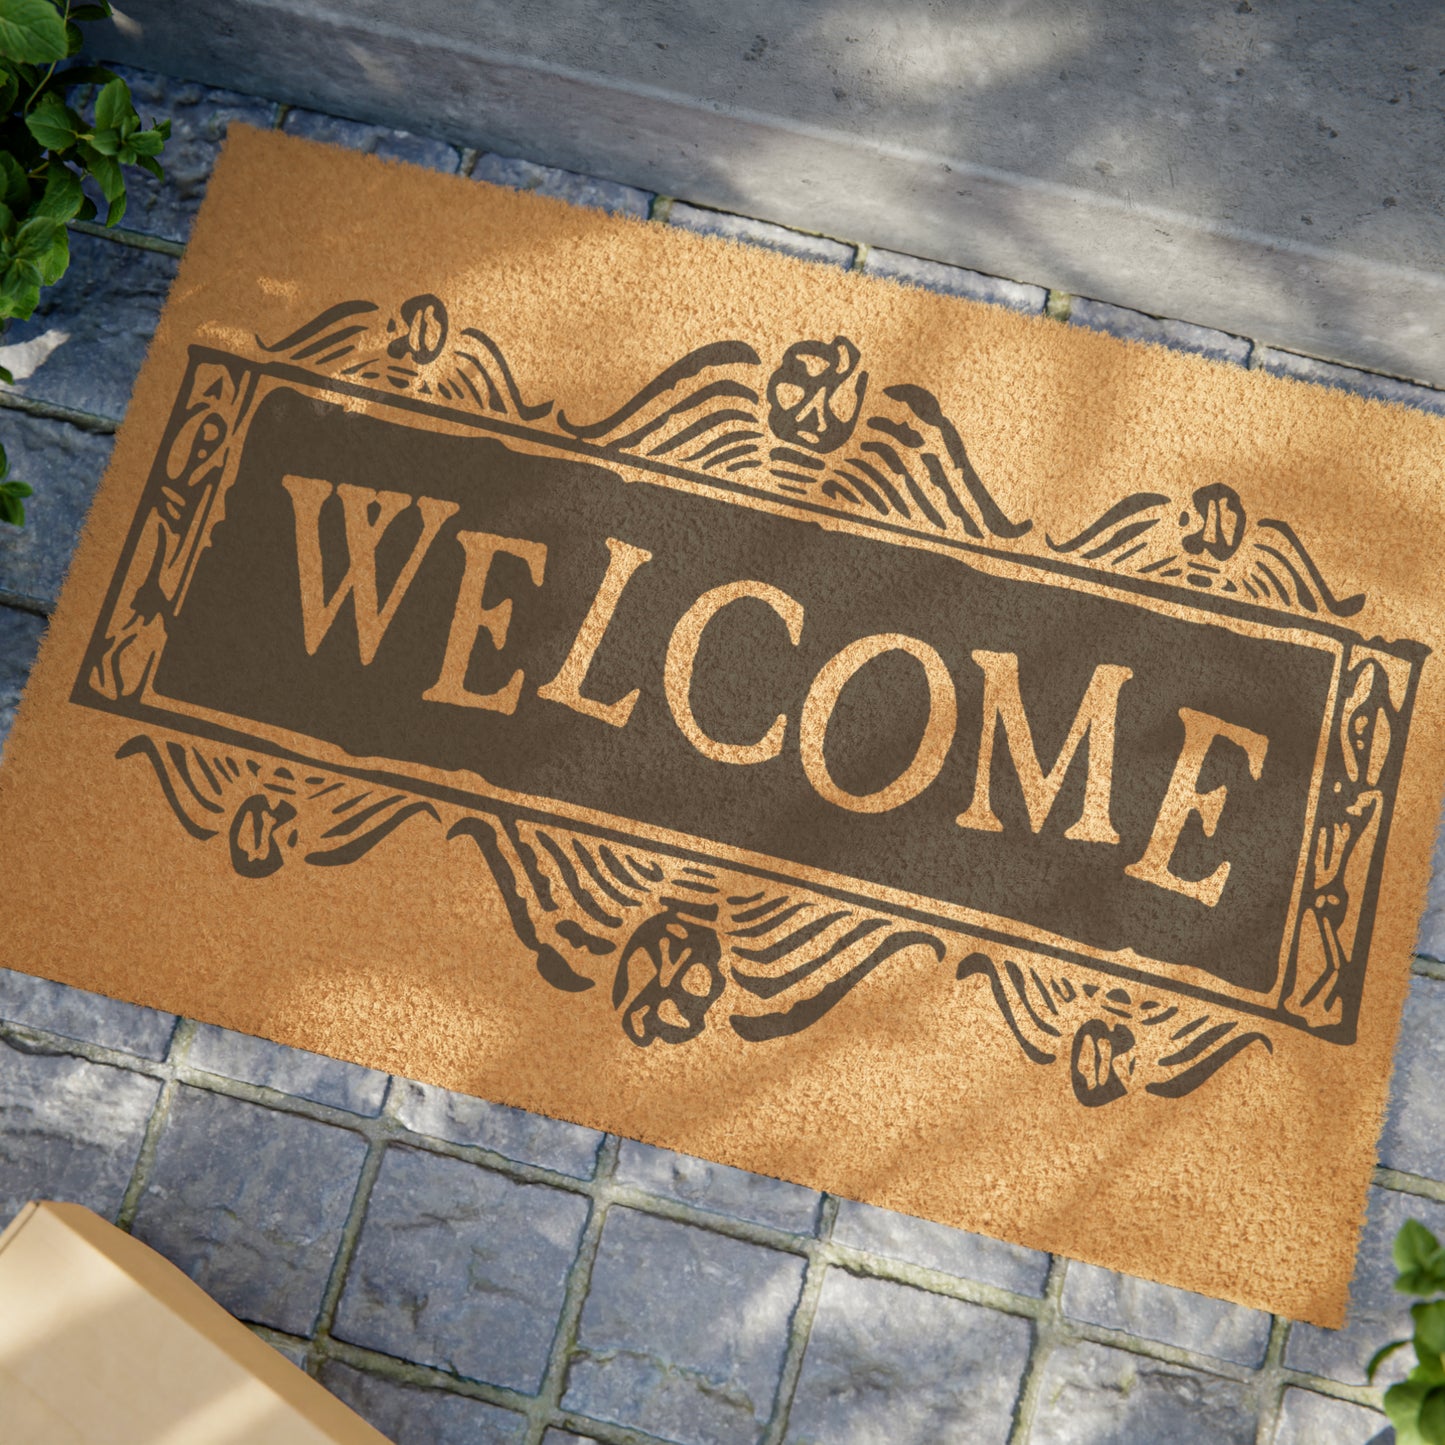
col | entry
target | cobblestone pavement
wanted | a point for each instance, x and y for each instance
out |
(458, 1271)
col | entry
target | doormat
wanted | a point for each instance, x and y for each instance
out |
(931, 754)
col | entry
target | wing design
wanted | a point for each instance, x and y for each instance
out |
(1208, 544)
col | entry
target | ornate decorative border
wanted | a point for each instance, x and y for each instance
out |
(679, 935)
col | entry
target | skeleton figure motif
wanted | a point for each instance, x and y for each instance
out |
(816, 393)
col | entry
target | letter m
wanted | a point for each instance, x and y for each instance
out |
(367, 515)
(1096, 717)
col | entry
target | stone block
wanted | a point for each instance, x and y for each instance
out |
(761, 233)
(461, 1269)
(520, 175)
(718, 1187)
(75, 1014)
(414, 1415)
(684, 1331)
(199, 117)
(888, 1362)
(1092, 1395)
(1431, 942)
(1346, 378)
(1377, 1312)
(1414, 1136)
(1306, 1418)
(250, 1202)
(64, 464)
(954, 281)
(69, 1129)
(20, 634)
(373, 140)
(84, 345)
(1173, 1316)
(291, 1071)
(514, 1133)
(1177, 335)
(936, 1246)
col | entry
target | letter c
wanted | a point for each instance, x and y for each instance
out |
(682, 656)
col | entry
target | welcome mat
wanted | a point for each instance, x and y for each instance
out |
(930, 754)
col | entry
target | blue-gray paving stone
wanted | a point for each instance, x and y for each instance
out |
(64, 464)
(718, 1187)
(761, 233)
(1431, 941)
(954, 281)
(527, 1138)
(684, 1331)
(20, 634)
(199, 117)
(1092, 1395)
(375, 140)
(1414, 1135)
(461, 1268)
(936, 1246)
(887, 1362)
(1306, 1418)
(69, 1129)
(250, 1202)
(1346, 378)
(84, 345)
(1378, 1313)
(415, 1415)
(1178, 335)
(291, 1071)
(1159, 1312)
(520, 175)
(75, 1014)
(294, 1353)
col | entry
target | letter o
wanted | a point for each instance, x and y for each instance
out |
(932, 747)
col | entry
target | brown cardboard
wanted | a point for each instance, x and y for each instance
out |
(935, 755)
(103, 1341)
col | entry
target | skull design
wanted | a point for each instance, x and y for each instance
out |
(816, 393)
(1098, 1048)
(1222, 521)
(667, 979)
(255, 848)
(425, 321)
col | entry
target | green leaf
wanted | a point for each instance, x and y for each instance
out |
(1380, 1356)
(31, 30)
(151, 164)
(91, 12)
(1414, 1246)
(7, 221)
(74, 40)
(9, 380)
(52, 122)
(116, 210)
(1432, 1416)
(1429, 1326)
(17, 488)
(112, 105)
(9, 90)
(56, 259)
(11, 510)
(63, 196)
(107, 142)
(1402, 1405)
(147, 142)
(14, 186)
(35, 237)
(5, 460)
(87, 210)
(107, 174)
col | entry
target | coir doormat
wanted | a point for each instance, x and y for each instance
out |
(935, 755)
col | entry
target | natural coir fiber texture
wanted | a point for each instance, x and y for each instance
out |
(931, 754)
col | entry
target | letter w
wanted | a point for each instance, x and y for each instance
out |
(1096, 717)
(363, 535)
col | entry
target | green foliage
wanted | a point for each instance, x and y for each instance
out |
(1416, 1406)
(46, 150)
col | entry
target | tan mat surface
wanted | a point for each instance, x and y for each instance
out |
(935, 755)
